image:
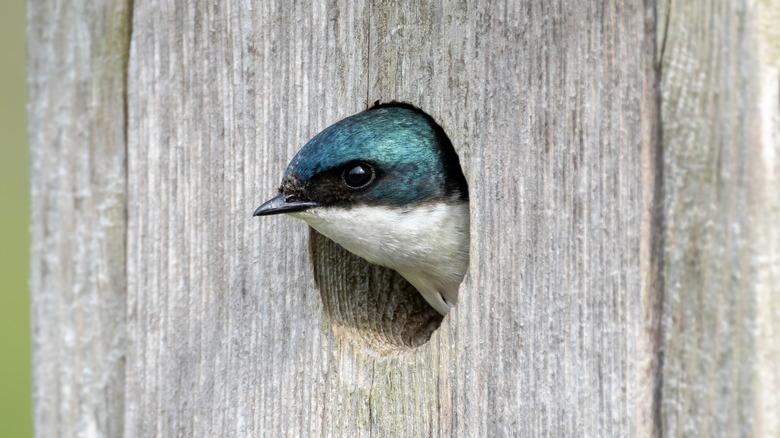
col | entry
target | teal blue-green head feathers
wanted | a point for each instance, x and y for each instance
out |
(386, 184)
(392, 154)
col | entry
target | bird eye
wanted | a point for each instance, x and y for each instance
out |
(358, 175)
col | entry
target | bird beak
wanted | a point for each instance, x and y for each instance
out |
(283, 204)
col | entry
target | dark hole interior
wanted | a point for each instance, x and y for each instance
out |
(369, 305)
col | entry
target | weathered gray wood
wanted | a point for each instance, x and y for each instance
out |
(721, 114)
(610, 218)
(77, 70)
(228, 335)
(544, 103)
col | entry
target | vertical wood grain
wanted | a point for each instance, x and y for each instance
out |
(228, 335)
(77, 73)
(765, 218)
(721, 206)
(545, 104)
(163, 308)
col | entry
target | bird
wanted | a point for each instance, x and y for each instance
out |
(386, 184)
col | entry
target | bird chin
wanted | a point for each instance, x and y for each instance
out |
(427, 244)
(303, 215)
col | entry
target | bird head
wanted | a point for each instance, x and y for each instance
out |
(391, 155)
(386, 184)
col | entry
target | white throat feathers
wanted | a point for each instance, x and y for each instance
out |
(428, 244)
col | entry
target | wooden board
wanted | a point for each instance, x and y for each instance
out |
(722, 212)
(77, 75)
(228, 333)
(625, 250)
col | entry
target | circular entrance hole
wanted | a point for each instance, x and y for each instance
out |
(375, 306)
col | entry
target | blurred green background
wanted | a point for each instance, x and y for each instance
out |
(15, 380)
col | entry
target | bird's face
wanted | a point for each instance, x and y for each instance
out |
(386, 185)
(393, 156)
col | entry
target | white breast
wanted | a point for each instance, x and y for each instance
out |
(428, 244)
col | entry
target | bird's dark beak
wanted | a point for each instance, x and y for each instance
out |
(283, 204)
